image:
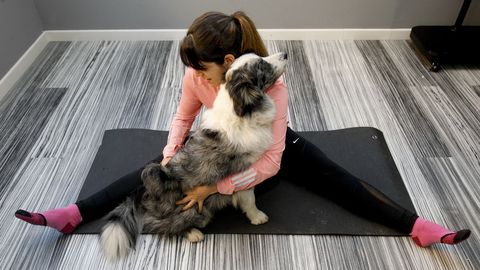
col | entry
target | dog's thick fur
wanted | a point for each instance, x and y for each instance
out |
(233, 134)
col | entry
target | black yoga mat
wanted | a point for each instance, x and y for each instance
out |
(292, 209)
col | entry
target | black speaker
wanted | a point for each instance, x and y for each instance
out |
(456, 44)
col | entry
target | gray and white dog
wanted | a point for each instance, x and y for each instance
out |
(233, 134)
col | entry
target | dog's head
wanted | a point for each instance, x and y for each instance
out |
(249, 76)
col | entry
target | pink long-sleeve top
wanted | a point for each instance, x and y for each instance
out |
(196, 91)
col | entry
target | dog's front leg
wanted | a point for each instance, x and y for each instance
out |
(245, 199)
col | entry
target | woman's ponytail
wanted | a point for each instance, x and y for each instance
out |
(251, 40)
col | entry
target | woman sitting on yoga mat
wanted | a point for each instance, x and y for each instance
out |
(212, 43)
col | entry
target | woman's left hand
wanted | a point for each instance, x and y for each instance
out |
(197, 195)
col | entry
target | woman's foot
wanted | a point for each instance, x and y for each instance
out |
(426, 233)
(64, 220)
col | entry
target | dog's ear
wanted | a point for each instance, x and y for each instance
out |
(263, 74)
(244, 93)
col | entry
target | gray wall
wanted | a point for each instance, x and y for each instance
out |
(178, 14)
(22, 21)
(20, 26)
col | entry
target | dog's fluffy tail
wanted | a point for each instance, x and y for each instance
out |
(120, 233)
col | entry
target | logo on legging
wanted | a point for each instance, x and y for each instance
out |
(296, 140)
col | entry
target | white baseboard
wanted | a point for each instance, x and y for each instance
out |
(140, 34)
(176, 34)
(334, 34)
(14, 73)
(267, 34)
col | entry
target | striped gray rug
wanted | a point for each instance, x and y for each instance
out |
(53, 119)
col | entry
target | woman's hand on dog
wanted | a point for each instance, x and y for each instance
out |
(165, 161)
(197, 195)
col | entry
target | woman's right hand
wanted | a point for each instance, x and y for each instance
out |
(165, 161)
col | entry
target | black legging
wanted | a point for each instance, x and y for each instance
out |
(108, 198)
(310, 167)
(305, 161)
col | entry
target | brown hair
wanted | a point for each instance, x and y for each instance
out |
(214, 35)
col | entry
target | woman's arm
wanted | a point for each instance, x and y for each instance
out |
(187, 111)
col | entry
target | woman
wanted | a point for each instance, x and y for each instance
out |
(211, 45)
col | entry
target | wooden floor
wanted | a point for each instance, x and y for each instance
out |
(53, 119)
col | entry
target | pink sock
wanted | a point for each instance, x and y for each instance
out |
(426, 233)
(64, 220)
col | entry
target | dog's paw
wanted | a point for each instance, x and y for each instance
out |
(151, 170)
(195, 235)
(258, 217)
